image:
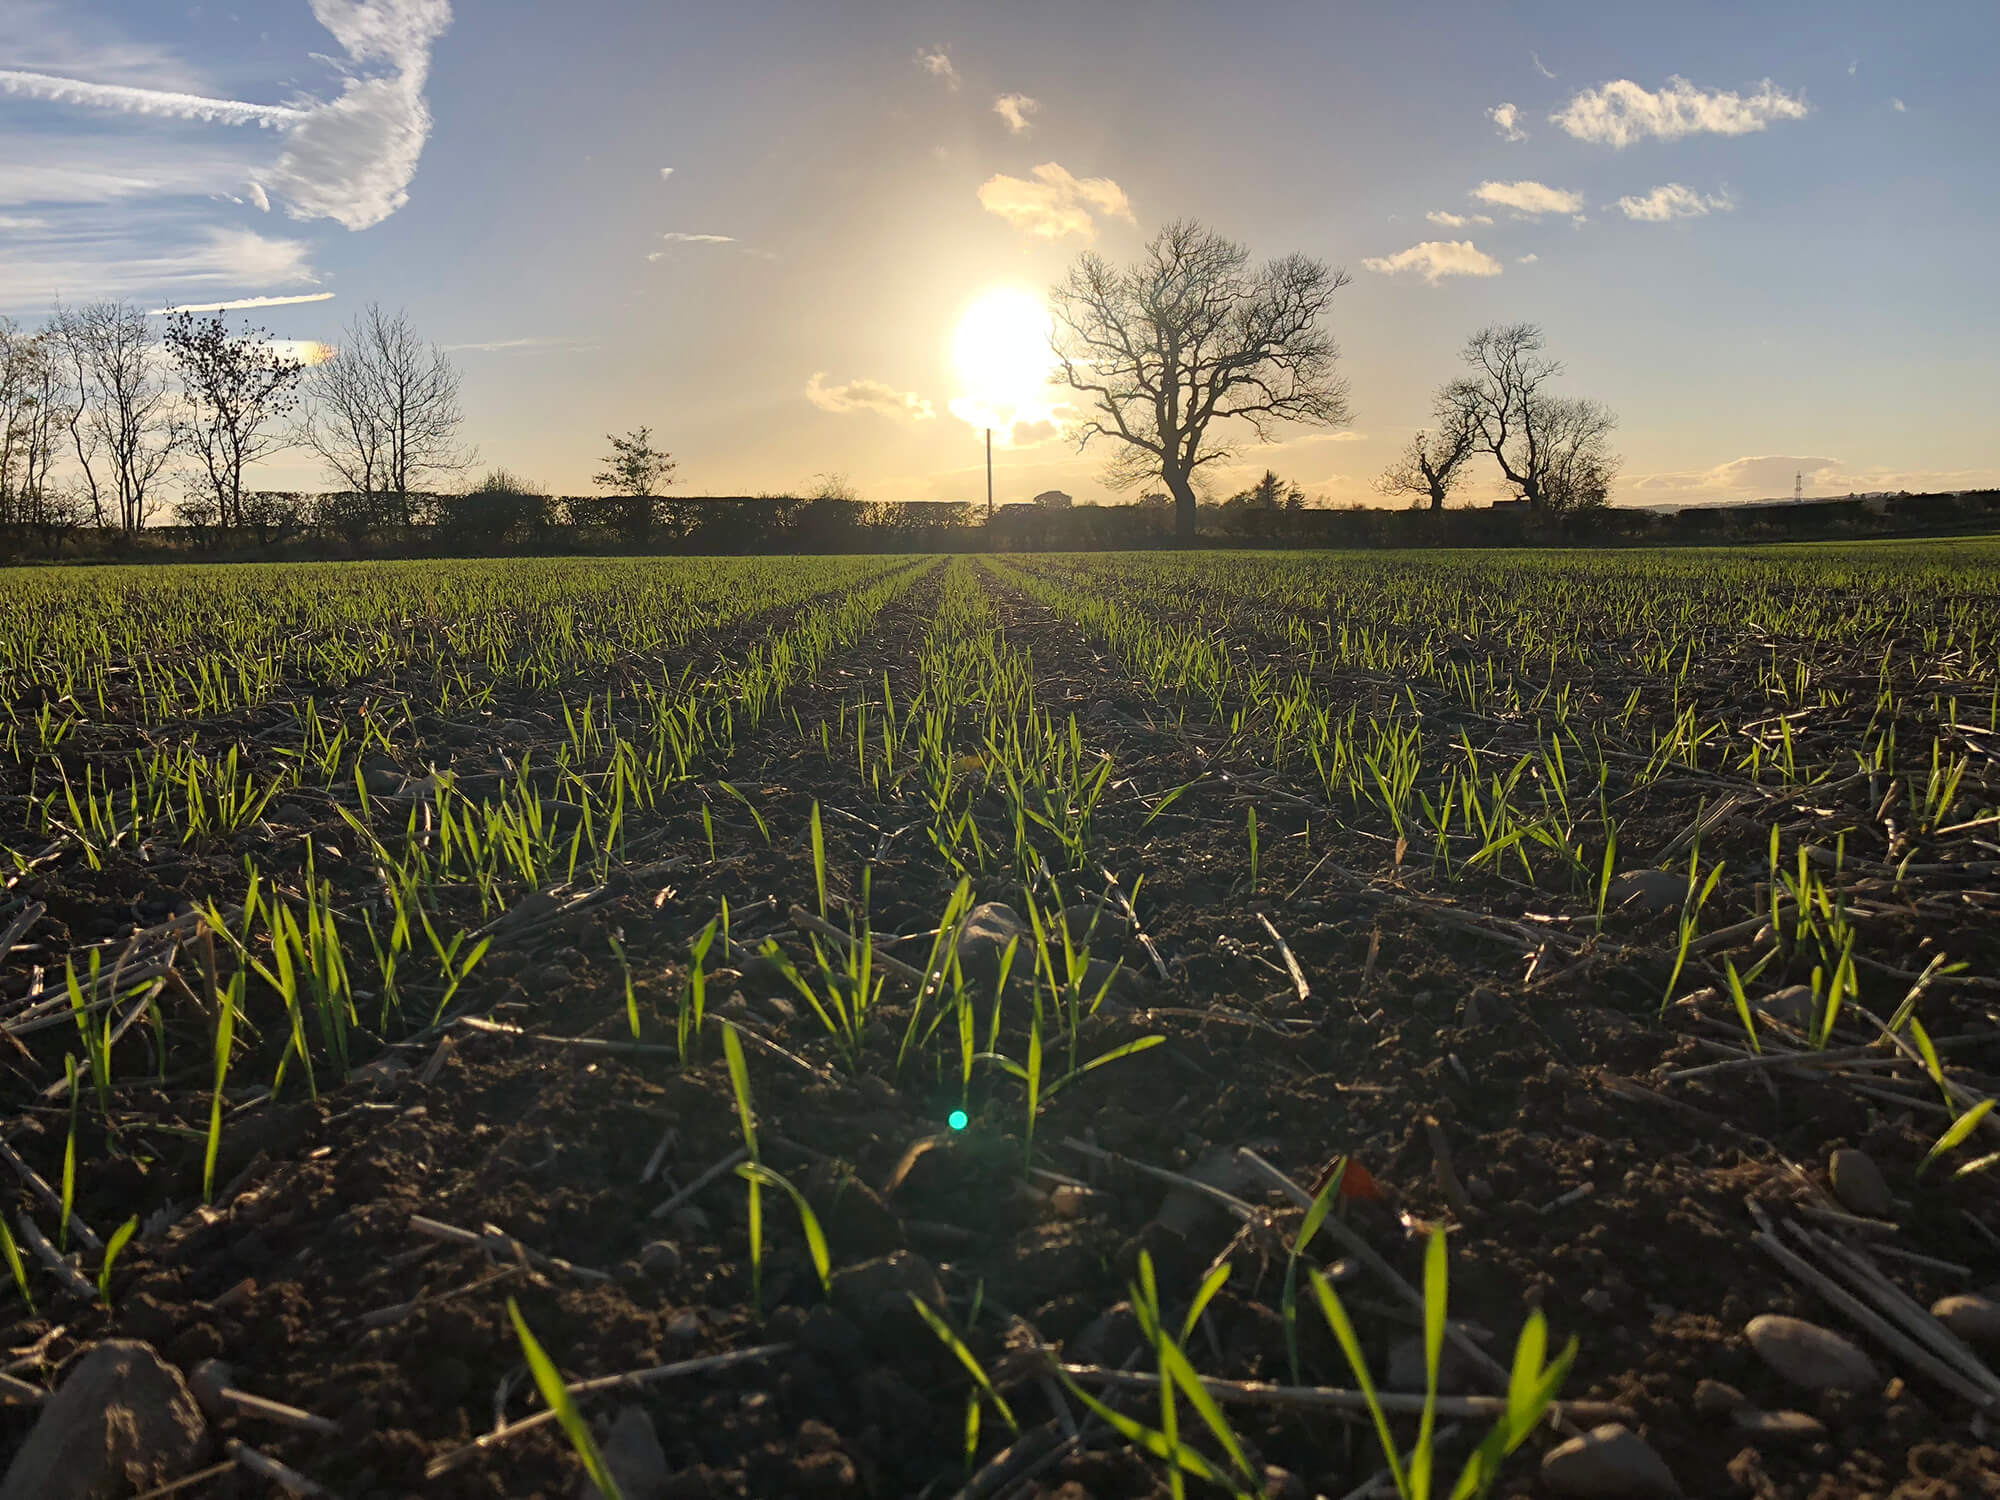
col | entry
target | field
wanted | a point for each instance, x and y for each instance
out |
(387, 944)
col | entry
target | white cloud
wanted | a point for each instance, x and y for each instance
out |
(867, 395)
(351, 160)
(937, 62)
(1055, 203)
(1536, 59)
(82, 262)
(1899, 106)
(676, 237)
(1507, 120)
(1673, 201)
(1529, 198)
(1526, 260)
(1456, 221)
(242, 302)
(665, 173)
(1015, 109)
(143, 101)
(1621, 112)
(258, 197)
(1436, 259)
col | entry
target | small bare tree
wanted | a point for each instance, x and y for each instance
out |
(1552, 449)
(1189, 337)
(1433, 462)
(383, 414)
(634, 466)
(233, 388)
(120, 416)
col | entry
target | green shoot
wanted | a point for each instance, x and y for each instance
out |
(549, 1381)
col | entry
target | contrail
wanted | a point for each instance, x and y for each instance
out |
(148, 101)
(161, 312)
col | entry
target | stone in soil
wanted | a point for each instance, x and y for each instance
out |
(988, 929)
(1779, 1426)
(1184, 1210)
(122, 1421)
(1610, 1462)
(1712, 1398)
(1858, 1184)
(885, 1284)
(1649, 890)
(632, 1453)
(1407, 1372)
(1974, 1318)
(1811, 1357)
(1794, 1005)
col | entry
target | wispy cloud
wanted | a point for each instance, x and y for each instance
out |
(1536, 59)
(96, 258)
(1529, 198)
(142, 101)
(1622, 112)
(1054, 203)
(1507, 120)
(665, 173)
(242, 302)
(503, 346)
(1456, 221)
(867, 395)
(677, 237)
(349, 159)
(1436, 259)
(1673, 201)
(1526, 260)
(1015, 109)
(1899, 106)
(937, 62)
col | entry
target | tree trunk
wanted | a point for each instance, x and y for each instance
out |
(1184, 508)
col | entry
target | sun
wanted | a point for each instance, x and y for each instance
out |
(1000, 350)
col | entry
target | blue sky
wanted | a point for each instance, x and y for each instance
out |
(1764, 234)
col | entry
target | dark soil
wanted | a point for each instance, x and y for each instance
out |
(1609, 1199)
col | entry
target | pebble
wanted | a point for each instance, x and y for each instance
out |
(1793, 1005)
(1649, 890)
(690, 1219)
(208, 1380)
(1779, 1426)
(123, 1419)
(1407, 1371)
(1712, 1398)
(1610, 1462)
(1598, 1301)
(1858, 1184)
(1974, 1318)
(632, 1453)
(684, 1327)
(1809, 1356)
(661, 1258)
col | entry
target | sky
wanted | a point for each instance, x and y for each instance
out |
(1764, 235)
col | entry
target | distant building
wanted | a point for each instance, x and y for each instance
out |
(1053, 500)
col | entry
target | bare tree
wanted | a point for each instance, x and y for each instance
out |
(1581, 464)
(383, 414)
(120, 417)
(234, 387)
(1552, 449)
(34, 414)
(1188, 337)
(1432, 463)
(635, 467)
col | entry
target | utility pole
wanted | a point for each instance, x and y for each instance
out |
(989, 473)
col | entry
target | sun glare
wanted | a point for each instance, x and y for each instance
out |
(1000, 350)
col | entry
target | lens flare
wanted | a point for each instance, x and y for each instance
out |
(956, 1119)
